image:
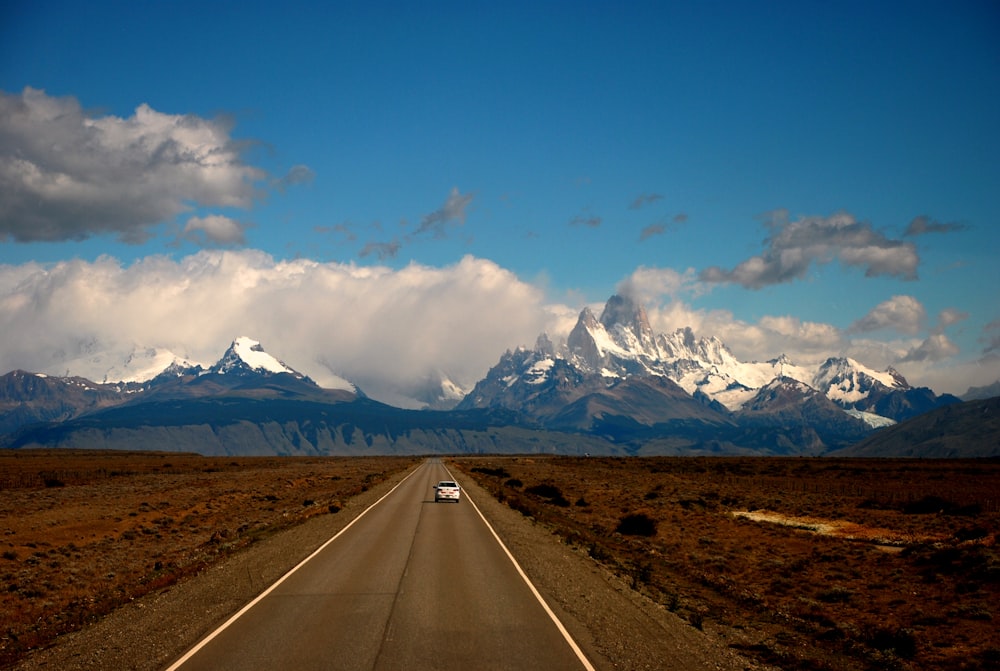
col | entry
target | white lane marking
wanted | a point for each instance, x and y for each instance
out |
(559, 625)
(225, 625)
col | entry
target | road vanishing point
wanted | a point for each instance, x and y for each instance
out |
(409, 584)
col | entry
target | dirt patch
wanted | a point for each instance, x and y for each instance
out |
(886, 539)
(802, 594)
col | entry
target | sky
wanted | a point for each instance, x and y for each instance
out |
(394, 192)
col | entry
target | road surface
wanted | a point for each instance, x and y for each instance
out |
(411, 584)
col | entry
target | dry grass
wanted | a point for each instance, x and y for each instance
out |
(83, 532)
(849, 564)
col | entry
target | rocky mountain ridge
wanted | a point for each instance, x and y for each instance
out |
(621, 344)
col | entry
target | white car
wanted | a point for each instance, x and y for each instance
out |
(446, 490)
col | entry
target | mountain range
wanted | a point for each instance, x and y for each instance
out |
(612, 387)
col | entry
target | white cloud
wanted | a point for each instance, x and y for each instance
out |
(903, 313)
(66, 175)
(214, 230)
(935, 347)
(647, 285)
(949, 317)
(388, 330)
(385, 329)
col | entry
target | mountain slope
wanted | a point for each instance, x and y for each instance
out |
(27, 398)
(961, 430)
(235, 424)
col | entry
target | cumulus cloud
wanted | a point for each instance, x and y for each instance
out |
(935, 347)
(69, 175)
(649, 285)
(949, 317)
(387, 330)
(903, 313)
(215, 230)
(794, 246)
(452, 212)
(923, 225)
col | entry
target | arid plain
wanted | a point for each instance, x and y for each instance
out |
(804, 563)
(796, 563)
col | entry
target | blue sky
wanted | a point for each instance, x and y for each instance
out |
(812, 178)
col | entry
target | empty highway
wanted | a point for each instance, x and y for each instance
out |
(411, 584)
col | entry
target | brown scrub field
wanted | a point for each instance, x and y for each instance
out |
(801, 563)
(82, 532)
(797, 563)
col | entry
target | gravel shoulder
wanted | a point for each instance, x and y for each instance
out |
(614, 626)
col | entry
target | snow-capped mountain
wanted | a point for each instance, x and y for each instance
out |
(848, 382)
(247, 357)
(245, 369)
(621, 344)
(108, 363)
(143, 364)
(800, 418)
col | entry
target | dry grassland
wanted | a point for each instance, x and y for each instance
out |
(801, 563)
(82, 533)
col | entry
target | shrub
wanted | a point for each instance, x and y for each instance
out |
(971, 534)
(545, 491)
(902, 641)
(495, 472)
(835, 595)
(514, 483)
(637, 525)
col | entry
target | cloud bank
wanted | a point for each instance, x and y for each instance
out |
(387, 330)
(394, 332)
(67, 175)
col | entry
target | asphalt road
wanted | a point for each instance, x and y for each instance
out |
(411, 584)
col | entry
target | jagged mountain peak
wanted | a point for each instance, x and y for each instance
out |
(845, 380)
(684, 344)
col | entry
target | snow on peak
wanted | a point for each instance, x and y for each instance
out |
(143, 365)
(845, 380)
(247, 353)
